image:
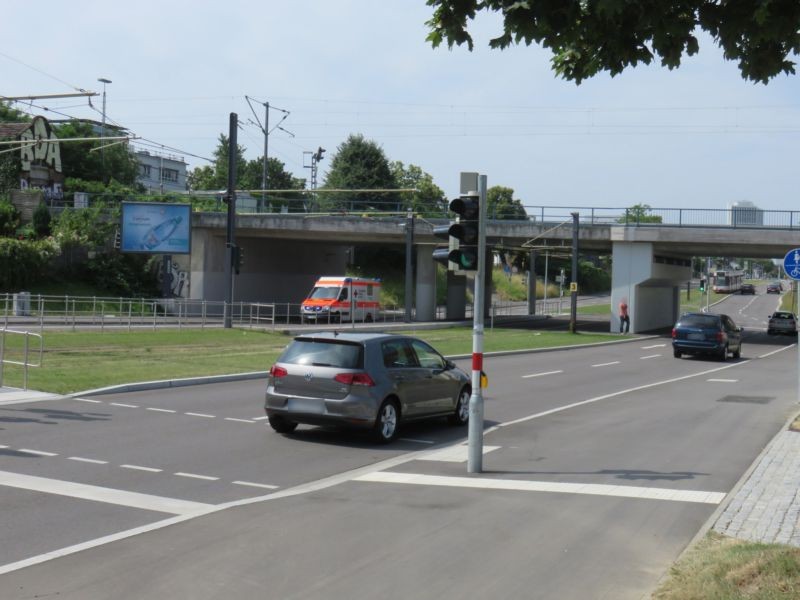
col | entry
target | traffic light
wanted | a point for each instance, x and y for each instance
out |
(237, 258)
(702, 285)
(465, 231)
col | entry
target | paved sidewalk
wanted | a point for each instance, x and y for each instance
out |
(766, 507)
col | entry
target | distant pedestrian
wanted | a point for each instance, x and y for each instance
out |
(624, 317)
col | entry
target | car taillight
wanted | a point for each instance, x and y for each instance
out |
(720, 337)
(674, 333)
(277, 371)
(354, 379)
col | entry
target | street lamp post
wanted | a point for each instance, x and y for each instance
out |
(104, 81)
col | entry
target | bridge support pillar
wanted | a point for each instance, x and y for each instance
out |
(425, 284)
(648, 284)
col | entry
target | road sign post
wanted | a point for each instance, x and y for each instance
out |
(791, 266)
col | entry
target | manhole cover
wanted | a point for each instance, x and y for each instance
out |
(747, 399)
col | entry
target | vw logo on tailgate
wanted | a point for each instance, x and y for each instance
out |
(308, 377)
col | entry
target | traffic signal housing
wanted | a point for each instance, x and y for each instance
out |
(462, 235)
(702, 285)
(237, 258)
(466, 231)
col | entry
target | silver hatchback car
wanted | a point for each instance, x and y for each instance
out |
(367, 380)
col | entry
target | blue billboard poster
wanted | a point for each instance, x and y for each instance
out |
(156, 228)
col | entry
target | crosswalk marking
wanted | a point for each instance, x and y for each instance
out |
(596, 489)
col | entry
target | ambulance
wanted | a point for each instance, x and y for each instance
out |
(337, 299)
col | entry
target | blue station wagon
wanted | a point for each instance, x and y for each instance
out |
(706, 333)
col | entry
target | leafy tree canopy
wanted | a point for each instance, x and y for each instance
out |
(639, 213)
(84, 160)
(590, 36)
(360, 164)
(12, 115)
(501, 204)
(429, 197)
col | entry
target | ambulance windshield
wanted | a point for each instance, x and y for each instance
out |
(323, 293)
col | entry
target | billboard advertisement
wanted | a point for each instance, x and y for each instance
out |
(156, 228)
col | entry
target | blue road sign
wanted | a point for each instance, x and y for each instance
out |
(791, 263)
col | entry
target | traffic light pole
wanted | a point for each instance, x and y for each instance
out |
(475, 434)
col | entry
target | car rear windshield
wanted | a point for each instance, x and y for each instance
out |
(324, 353)
(783, 315)
(704, 321)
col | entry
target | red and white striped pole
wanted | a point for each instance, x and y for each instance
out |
(475, 434)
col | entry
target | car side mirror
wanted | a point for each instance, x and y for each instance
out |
(450, 364)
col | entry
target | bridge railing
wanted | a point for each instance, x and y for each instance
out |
(731, 218)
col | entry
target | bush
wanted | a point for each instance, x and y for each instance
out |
(41, 221)
(22, 262)
(120, 274)
(9, 218)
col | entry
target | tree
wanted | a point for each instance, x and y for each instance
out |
(10, 166)
(500, 204)
(639, 213)
(215, 177)
(360, 164)
(429, 199)
(84, 160)
(589, 36)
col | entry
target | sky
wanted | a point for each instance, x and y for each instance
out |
(696, 137)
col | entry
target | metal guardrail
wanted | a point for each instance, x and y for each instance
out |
(25, 363)
(100, 313)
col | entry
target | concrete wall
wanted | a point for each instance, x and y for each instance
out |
(273, 270)
(650, 288)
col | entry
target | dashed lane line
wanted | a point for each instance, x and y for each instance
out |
(196, 476)
(595, 489)
(141, 468)
(649, 356)
(89, 400)
(256, 485)
(123, 405)
(164, 410)
(239, 420)
(608, 364)
(541, 374)
(36, 452)
(202, 415)
(653, 346)
(723, 380)
(88, 460)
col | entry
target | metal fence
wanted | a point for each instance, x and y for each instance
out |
(95, 312)
(13, 355)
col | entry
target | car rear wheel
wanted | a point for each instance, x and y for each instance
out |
(282, 425)
(724, 354)
(676, 353)
(385, 429)
(738, 352)
(461, 414)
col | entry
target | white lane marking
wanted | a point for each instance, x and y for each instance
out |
(559, 409)
(239, 420)
(165, 410)
(1, 447)
(723, 380)
(541, 374)
(596, 489)
(457, 453)
(608, 364)
(776, 351)
(123, 405)
(416, 441)
(205, 416)
(36, 452)
(140, 468)
(88, 460)
(257, 485)
(88, 400)
(653, 346)
(650, 356)
(260, 418)
(195, 476)
(103, 494)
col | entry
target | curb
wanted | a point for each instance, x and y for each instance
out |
(174, 383)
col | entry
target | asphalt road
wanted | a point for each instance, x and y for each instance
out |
(600, 466)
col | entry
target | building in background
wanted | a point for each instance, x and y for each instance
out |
(745, 214)
(161, 173)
